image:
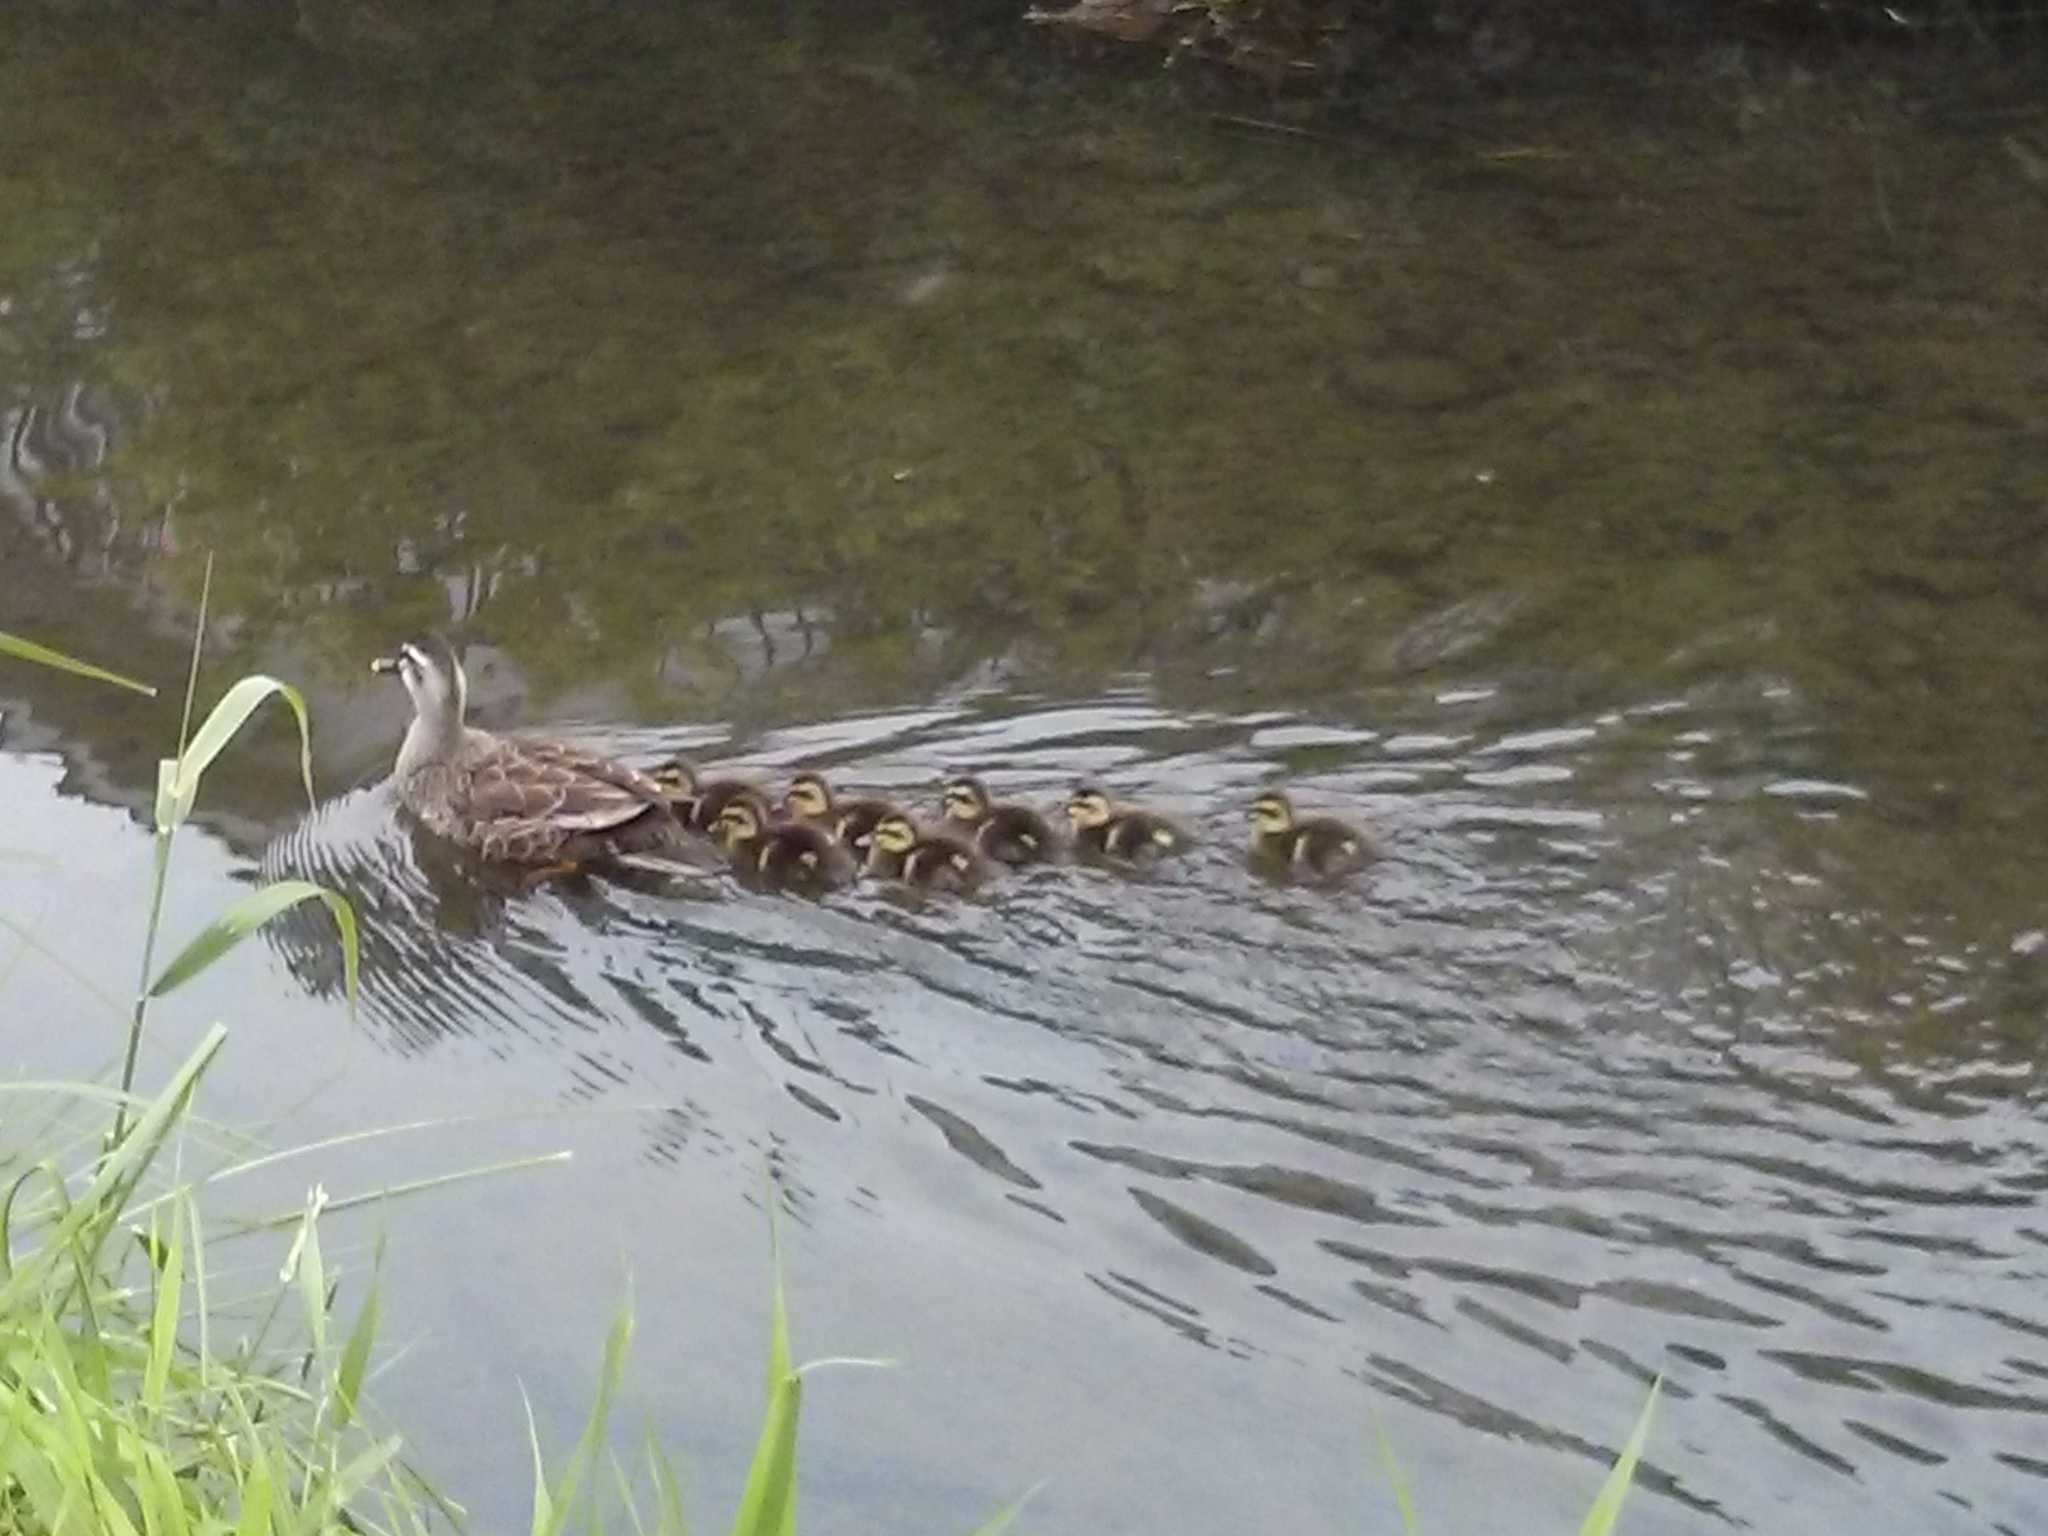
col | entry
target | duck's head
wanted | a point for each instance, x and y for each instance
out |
(678, 780)
(809, 795)
(895, 833)
(1272, 813)
(1088, 807)
(965, 800)
(742, 820)
(432, 674)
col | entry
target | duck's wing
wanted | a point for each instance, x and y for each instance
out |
(559, 785)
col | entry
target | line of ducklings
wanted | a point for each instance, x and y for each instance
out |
(815, 840)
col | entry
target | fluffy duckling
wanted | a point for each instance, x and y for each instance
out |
(939, 861)
(1125, 833)
(1318, 847)
(1009, 834)
(784, 854)
(698, 801)
(810, 799)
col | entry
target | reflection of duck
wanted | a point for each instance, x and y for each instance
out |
(930, 860)
(1126, 833)
(541, 803)
(697, 801)
(785, 854)
(1321, 847)
(1009, 834)
(810, 799)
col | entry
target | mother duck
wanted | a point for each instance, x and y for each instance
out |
(540, 803)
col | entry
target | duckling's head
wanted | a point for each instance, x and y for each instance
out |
(895, 833)
(809, 795)
(965, 800)
(1088, 807)
(1272, 813)
(677, 778)
(432, 674)
(741, 821)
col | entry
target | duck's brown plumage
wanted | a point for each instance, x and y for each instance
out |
(517, 799)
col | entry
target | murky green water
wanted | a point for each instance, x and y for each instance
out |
(1650, 535)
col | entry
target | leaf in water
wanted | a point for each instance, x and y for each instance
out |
(42, 655)
(235, 707)
(1607, 1504)
(251, 913)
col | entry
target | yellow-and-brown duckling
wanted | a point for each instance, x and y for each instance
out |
(1007, 833)
(931, 860)
(1126, 833)
(1312, 847)
(789, 855)
(698, 802)
(810, 799)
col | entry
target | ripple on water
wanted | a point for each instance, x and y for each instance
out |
(1562, 1085)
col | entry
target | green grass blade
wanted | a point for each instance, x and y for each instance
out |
(543, 1501)
(304, 1265)
(768, 1502)
(244, 918)
(354, 1477)
(668, 1492)
(42, 655)
(355, 1353)
(1398, 1480)
(255, 1519)
(197, 1233)
(228, 716)
(118, 1170)
(1606, 1508)
(999, 1522)
(589, 1452)
(163, 1318)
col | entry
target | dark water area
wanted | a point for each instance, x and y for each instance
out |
(1635, 507)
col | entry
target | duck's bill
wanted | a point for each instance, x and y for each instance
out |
(384, 664)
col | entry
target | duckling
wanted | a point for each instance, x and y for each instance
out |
(810, 799)
(1319, 847)
(899, 850)
(544, 804)
(1125, 833)
(698, 801)
(784, 854)
(1009, 834)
